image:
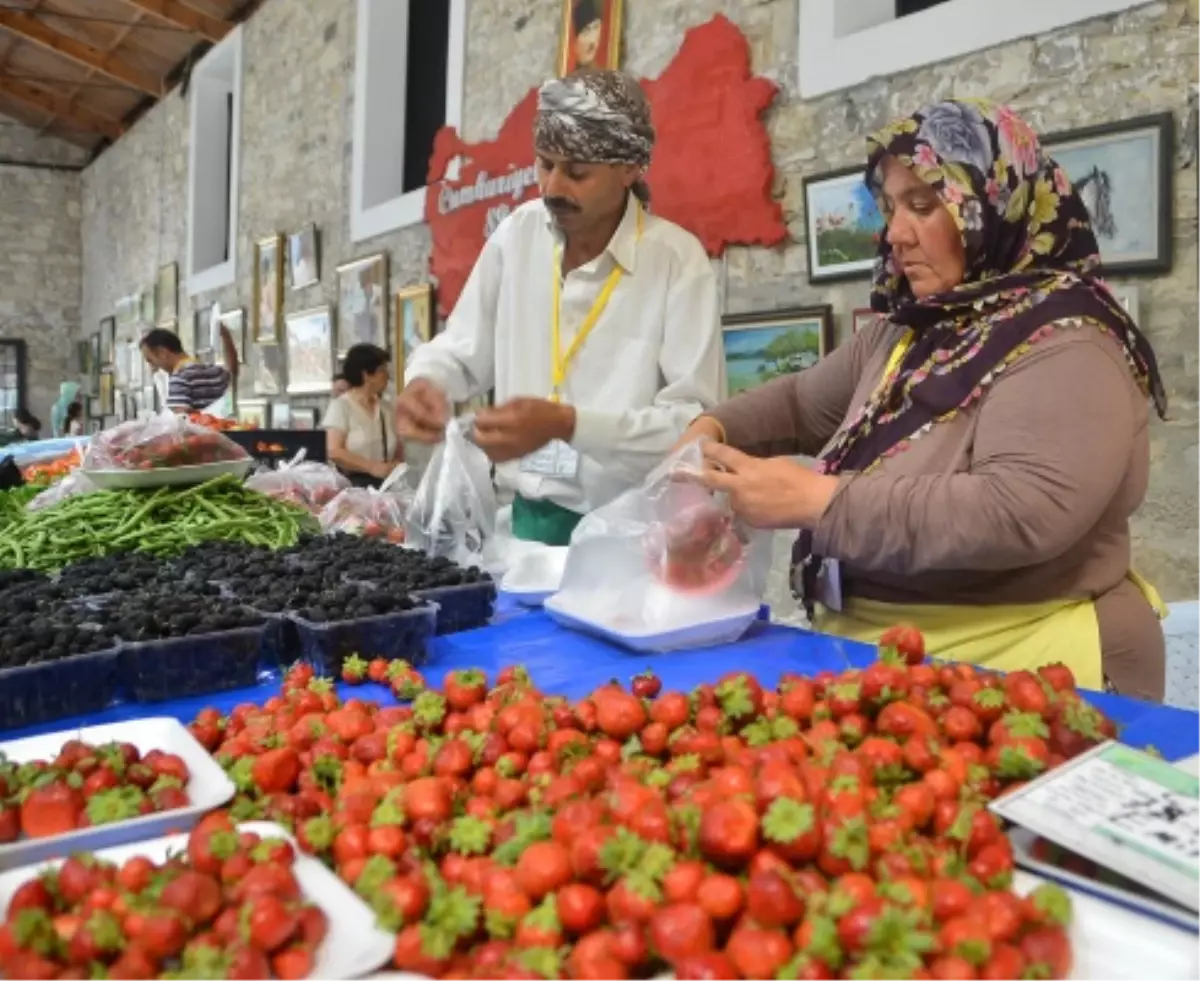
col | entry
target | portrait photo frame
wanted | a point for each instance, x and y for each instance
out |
(267, 311)
(412, 325)
(1124, 172)
(842, 226)
(762, 346)
(362, 302)
(590, 35)
(304, 257)
(309, 347)
(166, 293)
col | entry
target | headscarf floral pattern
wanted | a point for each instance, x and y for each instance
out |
(1030, 256)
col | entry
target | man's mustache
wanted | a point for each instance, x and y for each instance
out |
(561, 204)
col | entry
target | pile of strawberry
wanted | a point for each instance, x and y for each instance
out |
(228, 907)
(835, 828)
(86, 786)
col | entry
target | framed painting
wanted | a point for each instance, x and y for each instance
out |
(148, 308)
(94, 356)
(166, 293)
(760, 347)
(202, 332)
(862, 317)
(108, 391)
(1123, 172)
(108, 341)
(304, 417)
(94, 409)
(255, 413)
(591, 35)
(413, 326)
(362, 307)
(268, 368)
(843, 225)
(281, 415)
(304, 257)
(268, 289)
(126, 314)
(234, 321)
(309, 344)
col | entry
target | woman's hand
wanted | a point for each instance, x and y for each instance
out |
(382, 469)
(701, 426)
(771, 493)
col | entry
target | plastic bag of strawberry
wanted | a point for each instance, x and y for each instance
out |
(667, 562)
(303, 483)
(369, 512)
(165, 440)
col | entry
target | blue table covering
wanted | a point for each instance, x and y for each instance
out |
(566, 663)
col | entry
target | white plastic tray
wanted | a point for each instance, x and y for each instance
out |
(208, 787)
(725, 630)
(354, 945)
(534, 572)
(168, 476)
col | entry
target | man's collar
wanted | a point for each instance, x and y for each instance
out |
(623, 244)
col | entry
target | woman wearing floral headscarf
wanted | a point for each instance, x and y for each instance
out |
(984, 444)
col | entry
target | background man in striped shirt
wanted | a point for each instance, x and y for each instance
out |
(194, 386)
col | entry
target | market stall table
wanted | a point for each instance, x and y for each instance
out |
(565, 663)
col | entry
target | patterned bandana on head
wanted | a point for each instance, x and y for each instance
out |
(595, 116)
(1030, 262)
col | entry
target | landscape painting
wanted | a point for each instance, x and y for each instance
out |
(843, 225)
(1122, 171)
(761, 347)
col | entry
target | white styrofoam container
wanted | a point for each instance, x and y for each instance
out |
(354, 945)
(653, 639)
(1106, 942)
(534, 572)
(208, 786)
(197, 473)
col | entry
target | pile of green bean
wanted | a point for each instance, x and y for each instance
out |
(162, 522)
(12, 504)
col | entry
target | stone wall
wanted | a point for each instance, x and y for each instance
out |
(40, 257)
(296, 132)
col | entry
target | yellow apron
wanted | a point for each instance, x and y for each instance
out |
(1002, 638)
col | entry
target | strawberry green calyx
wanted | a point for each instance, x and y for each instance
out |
(1052, 903)
(377, 871)
(733, 695)
(118, 804)
(546, 962)
(470, 836)
(787, 819)
(388, 813)
(850, 842)
(319, 832)
(354, 669)
(429, 709)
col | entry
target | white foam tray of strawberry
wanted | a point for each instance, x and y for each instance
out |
(222, 901)
(98, 786)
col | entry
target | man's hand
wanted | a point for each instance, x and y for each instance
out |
(772, 493)
(422, 411)
(521, 426)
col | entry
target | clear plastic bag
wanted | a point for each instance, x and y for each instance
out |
(453, 512)
(165, 440)
(369, 512)
(308, 485)
(666, 565)
(72, 485)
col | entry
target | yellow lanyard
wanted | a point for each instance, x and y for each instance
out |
(897, 355)
(559, 362)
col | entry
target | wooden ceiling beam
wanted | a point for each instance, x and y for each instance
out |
(31, 29)
(59, 107)
(178, 14)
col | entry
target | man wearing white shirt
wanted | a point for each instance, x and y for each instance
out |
(595, 321)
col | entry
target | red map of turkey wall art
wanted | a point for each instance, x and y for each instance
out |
(711, 172)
